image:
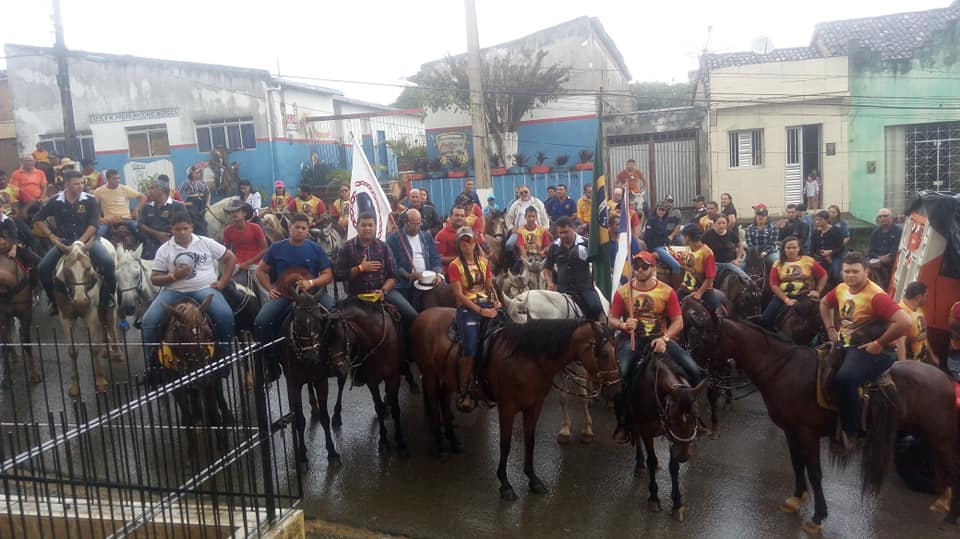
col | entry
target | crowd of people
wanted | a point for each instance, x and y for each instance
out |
(424, 250)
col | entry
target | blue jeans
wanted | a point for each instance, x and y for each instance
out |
(668, 259)
(511, 243)
(676, 352)
(99, 257)
(104, 230)
(407, 313)
(858, 368)
(589, 302)
(770, 313)
(734, 268)
(220, 314)
(469, 323)
(271, 315)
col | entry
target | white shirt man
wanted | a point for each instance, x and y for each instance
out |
(203, 255)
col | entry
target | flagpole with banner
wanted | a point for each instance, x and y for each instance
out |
(366, 194)
(599, 232)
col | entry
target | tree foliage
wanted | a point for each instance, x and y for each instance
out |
(661, 95)
(514, 83)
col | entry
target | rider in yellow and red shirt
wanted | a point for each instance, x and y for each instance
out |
(791, 277)
(914, 344)
(532, 239)
(647, 308)
(699, 268)
(308, 205)
(859, 301)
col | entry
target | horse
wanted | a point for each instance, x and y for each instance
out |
(305, 362)
(272, 228)
(548, 305)
(494, 235)
(758, 269)
(660, 402)
(801, 323)
(77, 295)
(226, 183)
(217, 218)
(511, 284)
(188, 344)
(245, 305)
(328, 237)
(135, 290)
(367, 336)
(532, 271)
(744, 296)
(924, 404)
(522, 362)
(16, 301)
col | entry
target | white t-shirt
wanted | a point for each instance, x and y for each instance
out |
(416, 251)
(254, 201)
(203, 254)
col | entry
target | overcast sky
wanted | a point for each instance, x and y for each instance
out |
(385, 41)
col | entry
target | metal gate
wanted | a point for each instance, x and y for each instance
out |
(670, 162)
(932, 158)
(793, 181)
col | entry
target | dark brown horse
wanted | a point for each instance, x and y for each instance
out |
(16, 301)
(801, 323)
(494, 234)
(662, 403)
(438, 296)
(758, 269)
(366, 336)
(744, 296)
(522, 363)
(786, 375)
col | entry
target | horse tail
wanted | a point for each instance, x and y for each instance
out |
(878, 448)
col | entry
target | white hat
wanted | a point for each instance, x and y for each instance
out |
(426, 280)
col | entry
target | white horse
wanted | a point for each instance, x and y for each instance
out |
(533, 272)
(547, 305)
(81, 302)
(217, 218)
(134, 288)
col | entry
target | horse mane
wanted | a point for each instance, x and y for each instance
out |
(550, 338)
(288, 279)
(767, 333)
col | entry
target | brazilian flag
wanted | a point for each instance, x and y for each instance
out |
(599, 243)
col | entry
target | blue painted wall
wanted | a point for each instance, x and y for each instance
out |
(444, 191)
(563, 136)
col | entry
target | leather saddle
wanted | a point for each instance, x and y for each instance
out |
(829, 360)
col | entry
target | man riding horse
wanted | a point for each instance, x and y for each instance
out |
(76, 215)
(568, 257)
(13, 248)
(639, 309)
(297, 251)
(791, 278)
(156, 217)
(186, 268)
(700, 268)
(414, 252)
(859, 301)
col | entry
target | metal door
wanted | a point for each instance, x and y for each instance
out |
(793, 182)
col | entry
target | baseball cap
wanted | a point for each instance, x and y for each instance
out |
(491, 197)
(463, 232)
(698, 198)
(647, 257)
(278, 183)
(669, 198)
(759, 206)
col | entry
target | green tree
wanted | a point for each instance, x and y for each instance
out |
(661, 95)
(514, 83)
(410, 98)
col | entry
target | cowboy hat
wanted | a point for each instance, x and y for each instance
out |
(426, 281)
(237, 204)
(66, 162)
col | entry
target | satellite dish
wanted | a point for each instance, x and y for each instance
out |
(761, 45)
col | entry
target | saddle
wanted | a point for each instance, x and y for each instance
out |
(829, 360)
(488, 331)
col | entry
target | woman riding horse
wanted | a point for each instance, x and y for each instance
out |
(792, 277)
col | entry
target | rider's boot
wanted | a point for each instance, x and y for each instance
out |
(466, 402)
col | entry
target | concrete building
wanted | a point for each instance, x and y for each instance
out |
(564, 126)
(870, 105)
(8, 132)
(146, 116)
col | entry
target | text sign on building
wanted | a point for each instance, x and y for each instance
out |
(133, 116)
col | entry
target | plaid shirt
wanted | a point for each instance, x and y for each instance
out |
(764, 238)
(350, 256)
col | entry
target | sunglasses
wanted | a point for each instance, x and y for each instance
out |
(524, 192)
(642, 265)
(466, 239)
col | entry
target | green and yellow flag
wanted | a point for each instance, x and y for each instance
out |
(599, 232)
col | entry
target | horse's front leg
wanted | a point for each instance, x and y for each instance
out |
(586, 436)
(295, 398)
(314, 402)
(506, 431)
(33, 374)
(653, 502)
(393, 400)
(800, 495)
(73, 390)
(321, 388)
(713, 397)
(563, 437)
(338, 407)
(810, 448)
(530, 417)
(381, 414)
(678, 512)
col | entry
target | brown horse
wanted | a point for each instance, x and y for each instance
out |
(786, 375)
(16, 301)
(494, 234)
(366, 335)
(744, 296)
(522, 363)
(801, 323)
(661, 403)
(305, 362)
(438, 296)
(758, 269)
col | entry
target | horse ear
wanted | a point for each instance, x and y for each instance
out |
(700, 388)
(138, 252)
(167, 307)
(206, 303)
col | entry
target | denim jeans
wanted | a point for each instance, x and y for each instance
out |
(511, 243)
(676, 352)
(219, 311)
(589, 302)
(668, 259)
(469, 323)
(271, 315)
(858, 368)
(734, 268)
(99, 257)
(104, 230)
(769, 317)
(407, 313)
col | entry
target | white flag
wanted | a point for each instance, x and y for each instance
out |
(366, 195)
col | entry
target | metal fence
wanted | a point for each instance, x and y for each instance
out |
(122, 463)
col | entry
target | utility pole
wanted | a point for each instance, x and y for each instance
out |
(478, 117)
(63, 81)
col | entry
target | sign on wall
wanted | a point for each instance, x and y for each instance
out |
(137, 175)
(136, 115)
(450, 145)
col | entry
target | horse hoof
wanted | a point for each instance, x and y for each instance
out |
(679, 513)
(101, 384)
(507, 494)
(563, 439)
(715, 434)
(654, 506)
(337, 422)
(940, 506)
(812, 528)
(538, 488)
(792, 504)
(586, 438)
(73, 391)
(333, 460)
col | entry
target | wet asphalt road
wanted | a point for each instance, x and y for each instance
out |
(732, 487)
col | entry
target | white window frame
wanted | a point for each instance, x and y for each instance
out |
(56, 139)
(147, 130)
(745, 148)
(223, 124)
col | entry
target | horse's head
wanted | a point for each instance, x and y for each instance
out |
(701, 331)
(308, 325)
(495, 225)
(533, 263)
(75, 271)
(190, 334)
(129, 279)
(594, 341)
(681, 418)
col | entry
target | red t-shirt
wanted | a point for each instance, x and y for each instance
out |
(544, 242)
(245, 243)
(446, 241)
(618, 308)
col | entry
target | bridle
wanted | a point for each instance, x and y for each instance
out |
(194, 352)
(663, 407)
(597, 344)
(137, 282)
(350, 331)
